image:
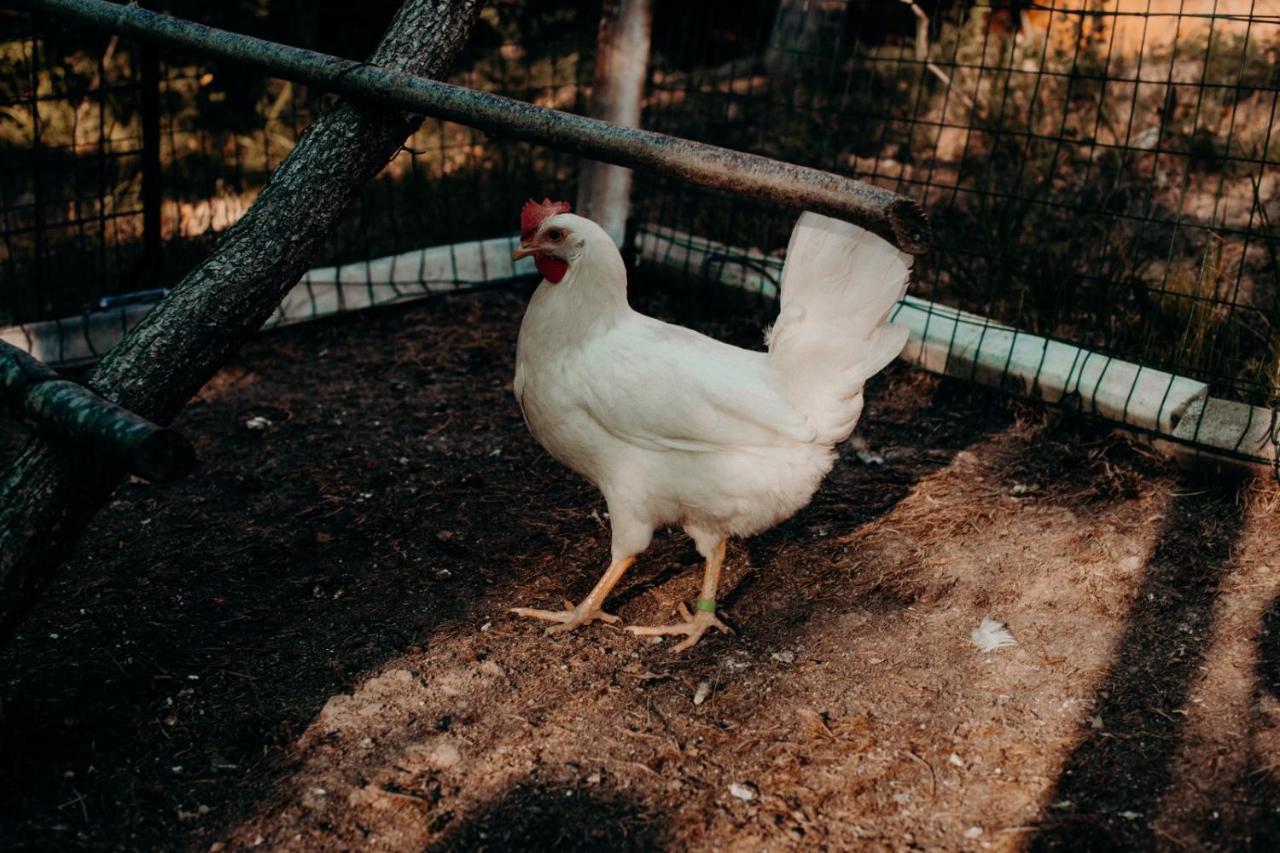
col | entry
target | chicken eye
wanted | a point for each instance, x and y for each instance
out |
(555, 235)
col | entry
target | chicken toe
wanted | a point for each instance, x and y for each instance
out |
(694, 626)
(569, 618)
(588, 610)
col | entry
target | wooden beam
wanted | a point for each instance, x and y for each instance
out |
(70, 413)
(895, 218)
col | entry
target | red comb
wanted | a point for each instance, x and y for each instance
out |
(532, 214)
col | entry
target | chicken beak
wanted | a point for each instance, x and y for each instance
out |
(523, 252)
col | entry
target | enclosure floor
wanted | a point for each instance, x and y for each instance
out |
(305, 645)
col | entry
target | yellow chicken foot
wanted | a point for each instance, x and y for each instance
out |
(695, 625)
(588, 610)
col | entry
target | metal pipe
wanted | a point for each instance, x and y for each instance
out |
(892, 216)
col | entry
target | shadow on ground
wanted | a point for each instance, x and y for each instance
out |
(537, 817)
(1263, 776)
(1110, 788)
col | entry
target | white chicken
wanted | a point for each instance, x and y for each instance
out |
(676, 428)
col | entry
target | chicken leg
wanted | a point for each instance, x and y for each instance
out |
(588, 610)
(694, 624)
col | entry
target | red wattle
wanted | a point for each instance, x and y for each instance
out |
(552, 269)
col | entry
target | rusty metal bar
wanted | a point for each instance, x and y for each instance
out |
(892, 216)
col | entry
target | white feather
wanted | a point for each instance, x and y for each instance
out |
(838, 286)
(991, 634)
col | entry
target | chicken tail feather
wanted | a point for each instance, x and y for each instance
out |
(839, 285)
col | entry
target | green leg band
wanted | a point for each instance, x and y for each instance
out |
(706, 604)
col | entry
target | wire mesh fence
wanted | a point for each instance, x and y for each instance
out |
(1101, 175)
(121, 165)
(1099, 172)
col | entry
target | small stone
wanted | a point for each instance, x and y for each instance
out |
(442, 574)
(955, 760)
(973, 832)
(257, 423)
(438, 756)
(742, 791)
(700, 695)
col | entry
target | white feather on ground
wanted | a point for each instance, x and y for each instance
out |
(991, 634)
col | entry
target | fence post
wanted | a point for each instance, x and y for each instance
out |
(37, 194)
(152, 173)
(617, 95)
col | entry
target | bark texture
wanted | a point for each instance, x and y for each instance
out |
(805, 36)
(61, 409)
(50, 493)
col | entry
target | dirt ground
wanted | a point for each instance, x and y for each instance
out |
(305, 645)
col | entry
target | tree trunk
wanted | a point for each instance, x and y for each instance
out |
(50, 493)
(805, 37)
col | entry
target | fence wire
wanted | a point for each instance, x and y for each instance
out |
(87, 119)
(1098, 172)
(1101, 176)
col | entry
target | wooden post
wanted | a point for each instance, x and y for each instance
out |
(152, 172)
(617, 96)
(805, 35)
